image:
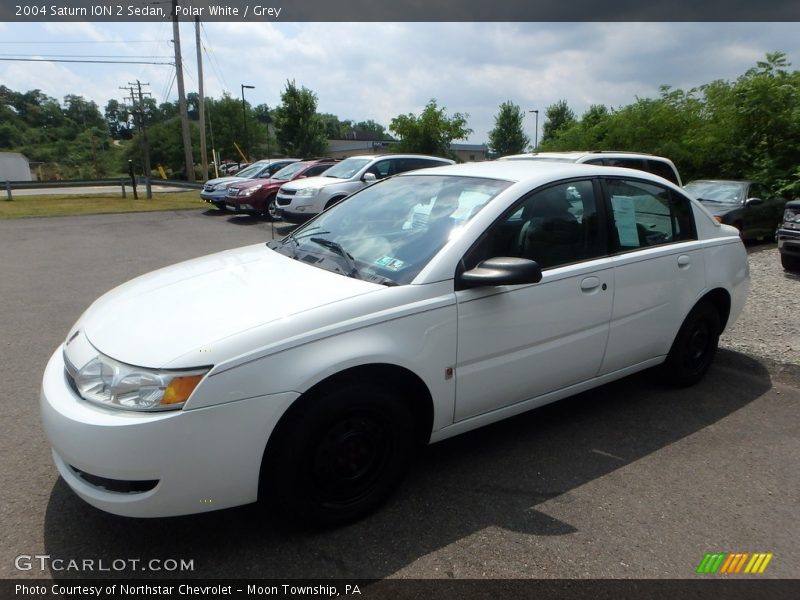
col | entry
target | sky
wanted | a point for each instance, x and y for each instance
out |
(378, 71)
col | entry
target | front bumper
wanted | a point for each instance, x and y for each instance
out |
(788, 242)
(217, 198)
(157, 464)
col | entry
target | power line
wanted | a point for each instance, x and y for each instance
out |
(48, 42)
(113, 62)
(7, 54)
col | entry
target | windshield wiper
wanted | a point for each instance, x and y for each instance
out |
(336, 247)
(711, 200)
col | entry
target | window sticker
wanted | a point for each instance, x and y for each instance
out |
(390, 263)
(625, 220)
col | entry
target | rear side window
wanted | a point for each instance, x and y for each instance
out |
(646, 214)
(409, 164)
(662, 169)
(317, 169)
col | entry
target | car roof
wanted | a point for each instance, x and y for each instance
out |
(721, 181)
(537, 172)
(389, 155)
(579, 154)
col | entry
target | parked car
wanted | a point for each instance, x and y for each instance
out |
(298, 201)
(788, 236)
(214, 190)
(747, 205)
(257, 197)
(658, 165)
(528, 283)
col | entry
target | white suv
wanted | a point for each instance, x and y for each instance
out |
(300, 200)
(657, 165)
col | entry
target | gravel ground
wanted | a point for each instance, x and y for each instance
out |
(769, 326)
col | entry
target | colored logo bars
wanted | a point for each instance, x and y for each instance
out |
(733, 563)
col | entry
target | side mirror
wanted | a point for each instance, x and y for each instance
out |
(501, 270)
(753, 202)
(369, 178)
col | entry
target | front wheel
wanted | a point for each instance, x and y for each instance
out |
(790, 263)
(694, 347)
(338, 455)
(271, 211)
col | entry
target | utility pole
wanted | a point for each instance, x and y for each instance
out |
(138, 110)
(187, 138)
(202, 107)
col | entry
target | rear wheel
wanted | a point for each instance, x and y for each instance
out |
(339, 454)
(694, 347)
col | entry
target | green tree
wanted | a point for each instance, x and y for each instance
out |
(431, 132)
(557, 117)
(508, 135)
(300, 131)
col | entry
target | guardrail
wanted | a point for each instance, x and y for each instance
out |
(121, 183)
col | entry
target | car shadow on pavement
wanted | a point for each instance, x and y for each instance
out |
(493, 477)
(215, 212)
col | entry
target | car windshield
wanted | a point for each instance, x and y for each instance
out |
(723, 192)
(347, 168)
(289, 171)
(251, 171)
(389, 231)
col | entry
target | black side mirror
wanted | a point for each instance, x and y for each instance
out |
(501, 270)
(753, 202)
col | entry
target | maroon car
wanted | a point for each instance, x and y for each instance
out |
(257, 197)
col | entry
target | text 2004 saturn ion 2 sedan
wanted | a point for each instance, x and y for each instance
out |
(421, 307)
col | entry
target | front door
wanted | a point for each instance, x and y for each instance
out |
(529, 340)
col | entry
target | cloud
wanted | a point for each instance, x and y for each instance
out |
(380, 70)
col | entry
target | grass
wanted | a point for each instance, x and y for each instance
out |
(92, 204)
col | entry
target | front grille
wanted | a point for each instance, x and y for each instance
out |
(283, 201)
(120, 486)
(288, 192)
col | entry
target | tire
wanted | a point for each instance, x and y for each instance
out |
(694, 347)
(271, 209)
(333, 201)
(338, 455)
(790, 263)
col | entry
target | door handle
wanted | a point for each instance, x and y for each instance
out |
(684, 261)
(589, 284)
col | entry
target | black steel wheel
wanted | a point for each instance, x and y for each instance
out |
(694, 347)
(338, 455)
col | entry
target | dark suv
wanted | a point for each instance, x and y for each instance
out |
(788, 236)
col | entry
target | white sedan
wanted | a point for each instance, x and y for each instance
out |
(525, 283)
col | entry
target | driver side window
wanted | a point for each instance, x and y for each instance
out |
(554, 226)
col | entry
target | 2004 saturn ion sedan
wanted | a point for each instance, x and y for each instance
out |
(423, 306)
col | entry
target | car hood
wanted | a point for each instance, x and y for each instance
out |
(718, 209)
(313, 182)
(176, 316)
(228, 180)
(249, 183)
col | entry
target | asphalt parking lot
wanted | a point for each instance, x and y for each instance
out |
(631, 480)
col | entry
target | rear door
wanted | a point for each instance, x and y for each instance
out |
(659, 269)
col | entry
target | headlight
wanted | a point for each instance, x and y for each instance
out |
(248, 191)
(791, 215)
(114, 384)
(307, 192)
